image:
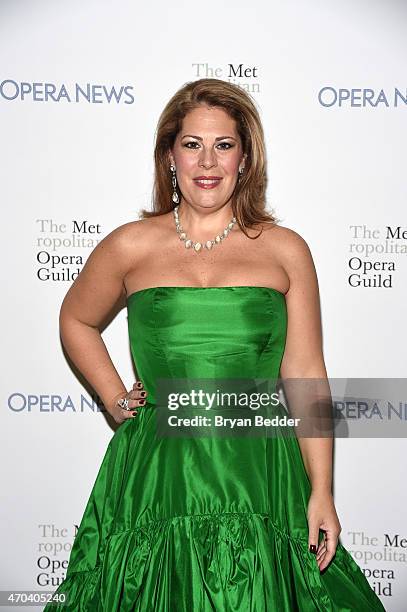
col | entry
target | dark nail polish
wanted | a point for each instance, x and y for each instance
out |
(143, 393)
(139, 384)
(313, 549)
(134, 413)
(142, 402)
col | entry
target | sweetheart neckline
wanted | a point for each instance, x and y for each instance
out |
(134, 293)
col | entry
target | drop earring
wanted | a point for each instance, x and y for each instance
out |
(175, 197)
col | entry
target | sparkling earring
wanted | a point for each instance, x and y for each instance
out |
(175, 197)
(241, 170)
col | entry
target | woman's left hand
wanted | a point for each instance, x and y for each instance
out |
(321, 514)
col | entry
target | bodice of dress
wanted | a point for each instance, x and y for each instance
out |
(206, 332)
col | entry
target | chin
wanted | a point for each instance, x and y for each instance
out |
(212, 204)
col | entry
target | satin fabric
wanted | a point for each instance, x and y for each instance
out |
(213, 523)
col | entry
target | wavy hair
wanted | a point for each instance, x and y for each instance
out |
(249, 197)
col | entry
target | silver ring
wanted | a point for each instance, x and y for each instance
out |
(123, 402)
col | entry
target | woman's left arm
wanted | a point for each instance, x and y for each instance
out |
(303, 359)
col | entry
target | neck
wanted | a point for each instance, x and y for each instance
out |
(204, 222)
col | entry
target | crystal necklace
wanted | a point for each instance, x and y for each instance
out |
(197, 246)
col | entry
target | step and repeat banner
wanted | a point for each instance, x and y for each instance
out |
(82, 85)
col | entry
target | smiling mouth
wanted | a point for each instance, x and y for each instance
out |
(207, 183)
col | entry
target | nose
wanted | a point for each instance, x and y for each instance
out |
(208, 158)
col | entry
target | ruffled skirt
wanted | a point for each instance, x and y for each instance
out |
(196, 525)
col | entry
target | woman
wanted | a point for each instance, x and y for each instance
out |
(214, 288)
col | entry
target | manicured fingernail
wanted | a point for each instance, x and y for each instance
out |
(142, 402)
(313, 549)
(139, 384)
(143, 393)
(134, 413)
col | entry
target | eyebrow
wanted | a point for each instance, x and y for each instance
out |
(200, 138)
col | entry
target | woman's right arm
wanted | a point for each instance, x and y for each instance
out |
(88, 302)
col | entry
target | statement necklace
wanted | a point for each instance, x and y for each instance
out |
(197, 246)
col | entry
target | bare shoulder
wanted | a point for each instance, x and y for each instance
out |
(133, 238)
(293, 253)
(287, 243)
(119, 252)
(126, 233)
(100, 284)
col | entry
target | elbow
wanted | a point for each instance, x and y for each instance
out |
(71, 324)
(63, 317)
(68, 324)
(314, 368)
(64, 325)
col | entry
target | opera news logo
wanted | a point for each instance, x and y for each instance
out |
(20, 402)
(92, 93)
(361, 97)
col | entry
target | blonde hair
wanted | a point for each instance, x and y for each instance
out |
(249, 197)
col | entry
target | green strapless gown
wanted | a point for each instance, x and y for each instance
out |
(209, 523)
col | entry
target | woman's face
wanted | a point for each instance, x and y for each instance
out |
(208, 145)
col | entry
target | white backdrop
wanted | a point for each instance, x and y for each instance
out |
(333, 165)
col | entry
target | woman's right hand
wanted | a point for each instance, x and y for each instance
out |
(136, 398)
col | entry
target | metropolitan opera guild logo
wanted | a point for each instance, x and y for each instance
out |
(62, 248)
(373, 252)
(241, 75)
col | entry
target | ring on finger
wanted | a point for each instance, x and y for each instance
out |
(123, 402)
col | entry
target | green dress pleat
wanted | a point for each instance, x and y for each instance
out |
(205, 523)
